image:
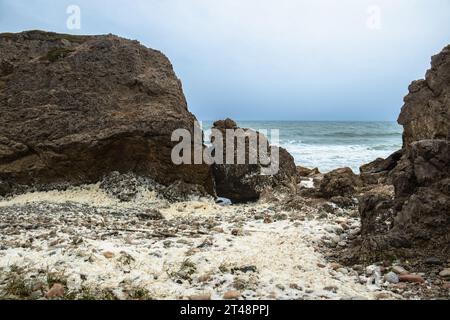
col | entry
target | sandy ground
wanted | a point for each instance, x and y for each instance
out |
(99, 247)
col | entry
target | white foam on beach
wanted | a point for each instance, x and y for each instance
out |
(284, 254)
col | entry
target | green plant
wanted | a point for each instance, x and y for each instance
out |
(56, 277)
(57, 54)
(47, 36)
(17, 286)
(185, 272)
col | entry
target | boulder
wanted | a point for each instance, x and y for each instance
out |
(306, 172)
(246, 181)
(75, 108)
(339, 182)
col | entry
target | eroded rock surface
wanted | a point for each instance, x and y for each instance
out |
(416, 220)
(246, 182)
(74, 108)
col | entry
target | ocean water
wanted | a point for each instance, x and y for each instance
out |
(329, 145)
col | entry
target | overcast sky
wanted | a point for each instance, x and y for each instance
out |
(264, 60)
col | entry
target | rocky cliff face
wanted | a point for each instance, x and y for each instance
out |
(74, 108)
(417, 217)
(426, 112)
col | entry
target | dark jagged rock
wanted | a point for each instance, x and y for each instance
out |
(246, 182)
(418, 215)
(306, 172)
(426, 112)
(378, 171)
(75, 108)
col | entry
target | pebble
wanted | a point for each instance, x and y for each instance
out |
(335, 265)
(446, 285)
(57, 291)
(108, 254)
(362, 279)
(359, 298)
(391, 277)
(399, 270)
(35, 295)
(204, 278)
(331, 288)
(237, 232)
(321, 265)
(232, 295)
(342, 270)
(411, 278)
(370, 270)
(359, 268)
(295, 287)
(445, 273)
(200, 297)
(342, 243)
(433, 261)
(383, 296)
(268, 220)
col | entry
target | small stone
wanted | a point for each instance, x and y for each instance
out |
(108, 254)
(433, 261)
(399, 270)
(321, 265)
(359, 268)
(391, 277)
(272, 296)
(268, 220)
(342, 270)
(200, 297)
(237, 232)
(342, 243)
(411, 278)
(335, 265)
(218, 230)
(204, 278)
(232, 295)
(446, 285)
(331, 288)
(35, 295)
(383, 296)
(57, 291)
(445, 273)
(151, 214)
(370, 270)
(358, 298)
(295, 287)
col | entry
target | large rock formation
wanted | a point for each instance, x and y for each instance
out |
(74, 108)
(246, 181)
(416, 220)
